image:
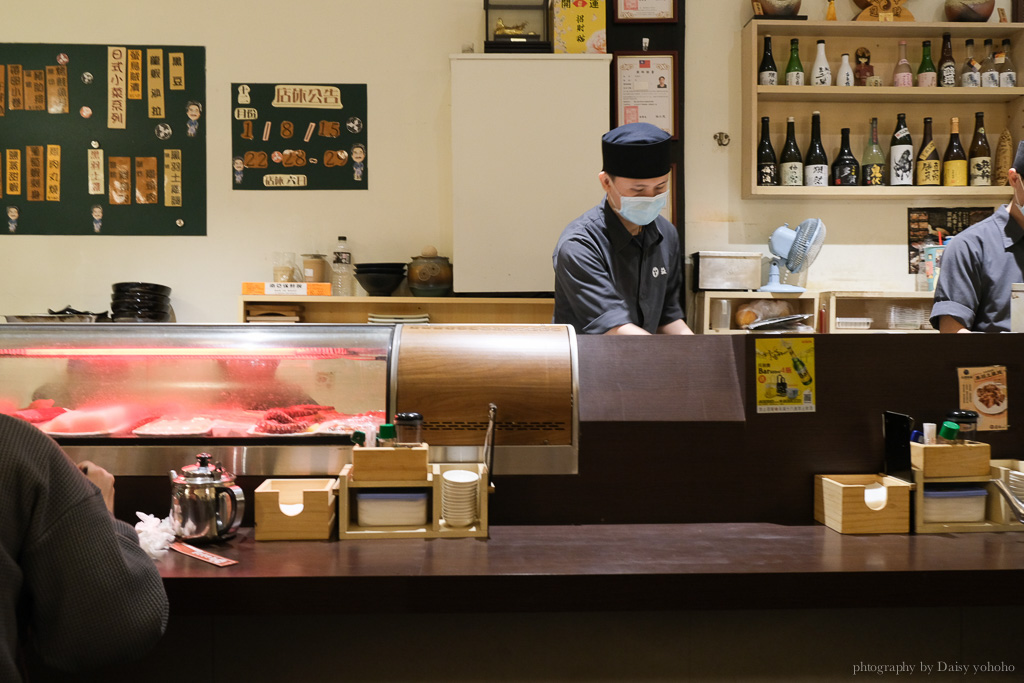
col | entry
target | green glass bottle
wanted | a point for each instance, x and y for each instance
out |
(926, 74)
(873, 162)
(795, 69)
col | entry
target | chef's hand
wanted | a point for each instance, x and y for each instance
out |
(103, 479)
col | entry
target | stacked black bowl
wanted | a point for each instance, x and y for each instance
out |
(140, 302)
(380, 279)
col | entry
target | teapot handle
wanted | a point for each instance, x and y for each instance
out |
(237, 507)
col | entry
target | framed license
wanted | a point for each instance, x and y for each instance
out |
(646, 89)
(646, 10)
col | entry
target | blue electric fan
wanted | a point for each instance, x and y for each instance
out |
(797, 248)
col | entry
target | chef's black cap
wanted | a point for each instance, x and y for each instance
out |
(636, 150)
(1018, 161)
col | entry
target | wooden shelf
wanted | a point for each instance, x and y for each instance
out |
(874, 305)
(803, 302)
(449, 309)
(853, 107)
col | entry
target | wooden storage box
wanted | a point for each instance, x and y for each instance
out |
(969, 459)
(389, 464)
(840, 503)
(295, 509)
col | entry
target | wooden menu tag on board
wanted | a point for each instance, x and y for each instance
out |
(758, 10)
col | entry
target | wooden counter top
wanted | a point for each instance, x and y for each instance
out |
(603, 567)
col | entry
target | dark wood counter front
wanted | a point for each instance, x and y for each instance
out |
(603, 568)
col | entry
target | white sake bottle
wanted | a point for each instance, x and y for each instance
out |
(821, 73)
(845, 75)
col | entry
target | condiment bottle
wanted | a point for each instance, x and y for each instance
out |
(386, 435)
(967, 421)
(409, 428)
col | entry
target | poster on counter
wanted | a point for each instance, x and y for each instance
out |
(983, 390)
(287, 136)
(785, 381)
(102, 139)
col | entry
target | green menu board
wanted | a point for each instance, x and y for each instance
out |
(287, 136)
(102, 139)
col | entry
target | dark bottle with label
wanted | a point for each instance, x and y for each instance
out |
(954, 163)
(845, 169)
(767, 73)
(947, 65)
(929, 168)
(980, 163)
(767, 168)
(816, 161)
(791, 163)
(901, 154)
(872, 169)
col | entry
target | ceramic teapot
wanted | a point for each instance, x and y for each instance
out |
(206, 505)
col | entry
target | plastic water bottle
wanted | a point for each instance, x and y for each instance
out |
(342, 277)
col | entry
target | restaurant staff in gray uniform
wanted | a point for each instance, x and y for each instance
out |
(618, 268)
(980, 264)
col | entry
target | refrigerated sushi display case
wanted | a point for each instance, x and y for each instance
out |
(284, 400)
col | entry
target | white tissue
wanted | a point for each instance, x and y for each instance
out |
(875, 496)
(155, 534)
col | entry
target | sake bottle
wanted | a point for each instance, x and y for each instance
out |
(954, 163)
(816, 162)
(926, 76)
(989, 72)
(791, 164)
(873, 163)
(928, 164)
(767, 169)
(795, 69)
(821, 73)
(901, 154)
(767, 74)
(1007, 71)
(980, 154)
(970, 76)
(903, 75)
(947, 65)
(845, 168)
(845, 74)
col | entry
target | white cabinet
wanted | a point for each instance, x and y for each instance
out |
(526, 151)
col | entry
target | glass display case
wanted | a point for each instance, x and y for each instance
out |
(278, 400)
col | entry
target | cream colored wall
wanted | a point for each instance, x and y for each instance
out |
(399, 48)
(866, 246)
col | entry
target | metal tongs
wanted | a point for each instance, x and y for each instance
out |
(492, 413)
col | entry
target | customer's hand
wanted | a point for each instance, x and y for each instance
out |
(103, 479)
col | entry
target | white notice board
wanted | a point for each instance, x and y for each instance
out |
(526, 151)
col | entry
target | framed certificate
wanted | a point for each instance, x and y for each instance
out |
(646, 89)
(662, 11)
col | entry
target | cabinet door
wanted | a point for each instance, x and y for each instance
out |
(526, 151)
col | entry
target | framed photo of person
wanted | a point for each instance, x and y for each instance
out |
(651, 11)
(646, 89)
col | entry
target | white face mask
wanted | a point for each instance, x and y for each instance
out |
(642, 210)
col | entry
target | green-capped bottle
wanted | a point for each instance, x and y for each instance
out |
(795, 69)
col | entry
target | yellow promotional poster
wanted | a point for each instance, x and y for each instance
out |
(578, 26)
(785, 374)
(984, 391)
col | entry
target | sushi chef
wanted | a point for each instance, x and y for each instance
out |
(979, 265)
(618, 268)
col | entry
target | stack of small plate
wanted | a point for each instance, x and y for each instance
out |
(459, 497)
(140, 302)
(420, 319)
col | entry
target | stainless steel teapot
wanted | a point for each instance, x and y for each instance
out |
(206, 505)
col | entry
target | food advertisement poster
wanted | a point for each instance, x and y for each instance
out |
(785, 374)
(102, 139)
(983, 390)
(287, 136)
(928, 227)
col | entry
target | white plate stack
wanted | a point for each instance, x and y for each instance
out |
(381, 319)
(459, 490)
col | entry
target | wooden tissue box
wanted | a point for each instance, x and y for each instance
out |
(840, 504)
(295, 509)
(969, 459)
(389, 464)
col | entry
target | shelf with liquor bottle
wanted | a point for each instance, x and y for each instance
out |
(853, 107)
